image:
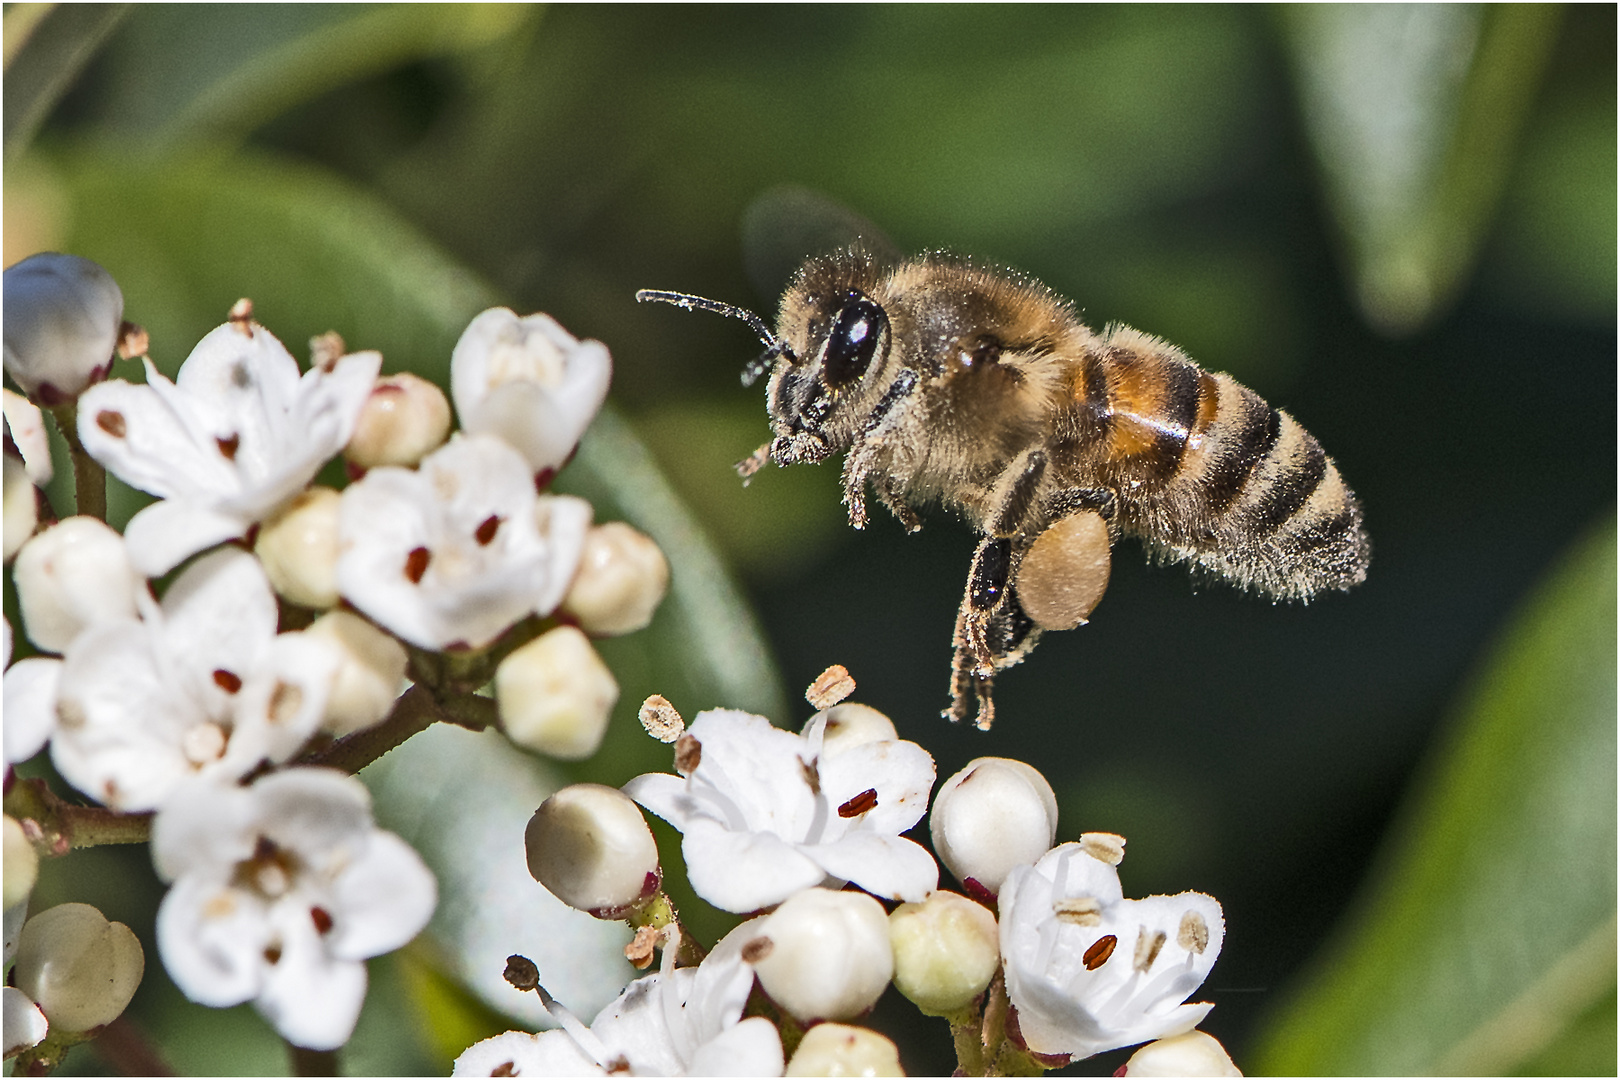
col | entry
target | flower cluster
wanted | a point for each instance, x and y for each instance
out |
(214, 675)
(1044, 961)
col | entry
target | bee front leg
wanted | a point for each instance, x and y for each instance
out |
(873, 438)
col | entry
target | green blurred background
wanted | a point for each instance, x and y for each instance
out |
(1397, 223)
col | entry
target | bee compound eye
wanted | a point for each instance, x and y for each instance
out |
(852, 342)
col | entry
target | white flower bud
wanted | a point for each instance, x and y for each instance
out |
(22, 506)
(22, 864)
(1190, 1054)
(75, 573)
(405, 419)
(298, 547)
(62, 319)
(370, 676)
(825, 954)
(590, 847)
(81, 969)
(555, 695)
(946, 951)
(842, 1050)
(25, 1024)
(622, 577)
(26, 426)
(850, 725)
(992, 816)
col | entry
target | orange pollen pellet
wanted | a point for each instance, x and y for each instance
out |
(112, 423)
(416, 564)
(487, 528)
(860, 804)
(1100, 951)
(227, 681)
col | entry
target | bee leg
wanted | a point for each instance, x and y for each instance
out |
(862, 459)
(992, 630)
(891, 493)
(1061, 504)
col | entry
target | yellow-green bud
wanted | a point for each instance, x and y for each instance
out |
(946, 951)
(842, 1050)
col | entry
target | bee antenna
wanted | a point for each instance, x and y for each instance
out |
(774, 346)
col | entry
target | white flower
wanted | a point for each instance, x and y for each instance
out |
(25, 1022)
(22, 505)
(280, 892)
(236, 435)
(530, 382)
(25, 425)
(455, 552)
(62, 317)
(202, 685)
(997, 813)
(30, 704)
(1088, 970)
(824, 954)
(74, 574)
(679, 1022)
(766, 813)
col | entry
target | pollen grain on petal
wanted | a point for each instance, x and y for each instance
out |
(812, 775)
(485, 533)
(660, 719)
(860, 804)
(241, 316)
(1193, 933)
(285, 702)
(221, 905)
(321, 918)
(758, 949)
(229, 446)
(1104, 847)
(227, 681)
(1078, 911)
(416, 564)
(1101, 949)
(112, 422)
(688, 754)
(1148, 946)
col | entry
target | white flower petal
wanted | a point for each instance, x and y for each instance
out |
(167, 533)
(30, 707)
(212, 939)
(745, 871)
(153, 438)
(310, 997)
(518, 1053)
(888, 866)
(25, 1023)
(386, 896)
(26, 425)
(204, 826)
(751, 1048)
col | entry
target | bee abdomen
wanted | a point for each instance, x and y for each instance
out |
(1259, 502)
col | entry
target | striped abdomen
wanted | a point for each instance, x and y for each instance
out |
(1208, 473)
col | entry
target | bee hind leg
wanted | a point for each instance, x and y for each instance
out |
(992, 631)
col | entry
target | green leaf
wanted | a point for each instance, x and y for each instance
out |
(1415, 113)
(1488, 934)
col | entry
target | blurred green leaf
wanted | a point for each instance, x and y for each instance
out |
(1490, 930)
(226, 70)
(316, 254)
(47, 45)
(1414, 111)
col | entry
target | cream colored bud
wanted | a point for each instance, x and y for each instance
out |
(370, 677)
(842, 1050)
(71, 575)
(298, 547)
(62, 320)
(22, 864)
(622, 577)
(404, 419)
(22, 506)
(992, 816)
(946, 951)
(555, 695)
(1191, 1054)
(850, 725)
(590, 847)
(828, 956)
(81, 969)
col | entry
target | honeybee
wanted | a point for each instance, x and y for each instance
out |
(945, 381)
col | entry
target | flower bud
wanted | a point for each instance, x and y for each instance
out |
(946, 951)
(992, 816)
(21, 866)
(842, 1050)
(298, 547)
(81, 969)
(622, 577)
(22, 506)
(850, 725)
(405, 419)
(590, 847)
(1190, 1054)
(25, 1024)
(370, 676)
(825, 955)
(25, 425)
(62, 320)
(555, 695)
(75, 573)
